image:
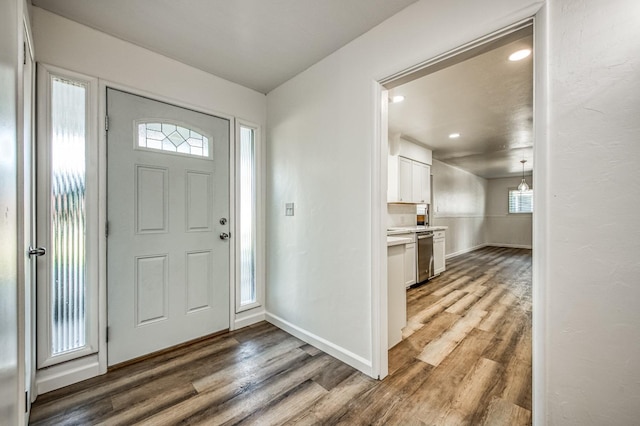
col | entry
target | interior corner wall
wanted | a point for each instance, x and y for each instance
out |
(504, 229)
(320, 152)
(591, 283)
(9, 35)
(459, 202)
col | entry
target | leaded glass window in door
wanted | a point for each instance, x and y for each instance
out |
(173, 138)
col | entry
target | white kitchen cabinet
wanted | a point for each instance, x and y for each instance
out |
(396, 294)
(410, 256)
(438, 252)
(405, 180)
(409, 181)
(421, 180)
(410, 265)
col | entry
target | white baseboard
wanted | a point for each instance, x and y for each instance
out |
(68, 373)
(242, 321)
(522, 246)
(467, 250)
(324, 345)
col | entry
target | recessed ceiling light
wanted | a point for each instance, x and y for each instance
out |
(519, 55)
(397, 98)
(454, 135)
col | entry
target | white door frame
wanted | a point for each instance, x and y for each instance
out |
(378, 219)
(26, 295)
(102, 201)
(79, 365)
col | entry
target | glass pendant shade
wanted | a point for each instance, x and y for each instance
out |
(523, 186)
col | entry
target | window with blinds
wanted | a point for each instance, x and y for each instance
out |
(520, 201)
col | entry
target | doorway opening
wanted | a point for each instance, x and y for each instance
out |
(470, 112)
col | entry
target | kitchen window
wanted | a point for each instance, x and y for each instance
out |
(520, 201)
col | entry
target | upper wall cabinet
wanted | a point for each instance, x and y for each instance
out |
(409, 181)
(421, 174)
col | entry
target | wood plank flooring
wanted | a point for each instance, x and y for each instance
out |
(465, 360)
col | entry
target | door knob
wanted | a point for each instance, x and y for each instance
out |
(224, 236)
(38, 251)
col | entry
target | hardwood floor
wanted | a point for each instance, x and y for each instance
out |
(465, 360)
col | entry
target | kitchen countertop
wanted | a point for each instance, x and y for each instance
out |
(404, 229)
(396, 241)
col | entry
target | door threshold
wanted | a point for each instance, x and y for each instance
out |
(166, 350)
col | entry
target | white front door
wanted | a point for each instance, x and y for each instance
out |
(168, 206)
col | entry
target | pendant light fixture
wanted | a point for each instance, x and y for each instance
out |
(523, 185)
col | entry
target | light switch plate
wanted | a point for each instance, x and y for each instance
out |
(288, 209)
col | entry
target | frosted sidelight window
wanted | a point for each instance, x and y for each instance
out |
(172, 138)
(67, 250)
(247, 216)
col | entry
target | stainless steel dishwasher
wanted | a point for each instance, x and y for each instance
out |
(425, 256)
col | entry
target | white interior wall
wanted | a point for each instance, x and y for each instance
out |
(401, 215)
(411, 150)
(504, 229)
(591, 283)
(459, 202)
(320, 153)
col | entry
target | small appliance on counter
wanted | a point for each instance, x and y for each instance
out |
(422, 215)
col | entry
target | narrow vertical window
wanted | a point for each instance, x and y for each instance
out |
(247, 216)
(67, 205)
(68, 118)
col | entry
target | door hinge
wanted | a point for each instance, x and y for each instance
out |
(26, 401)
(108, 334)
(106, 123)
(106, 229)
(24, 53)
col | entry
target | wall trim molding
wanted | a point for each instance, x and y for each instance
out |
(522, 246)
(248, 320)
(61, 375)
(458, 216)
(478, 247)
(324, 345)
(466, 250)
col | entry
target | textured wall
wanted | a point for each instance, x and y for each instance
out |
(592, 166)
(504, 228)
(459, 202)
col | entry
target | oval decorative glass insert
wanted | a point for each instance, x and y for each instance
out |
(172, 138)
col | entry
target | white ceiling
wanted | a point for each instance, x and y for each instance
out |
(259, 44)
(487, 99)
